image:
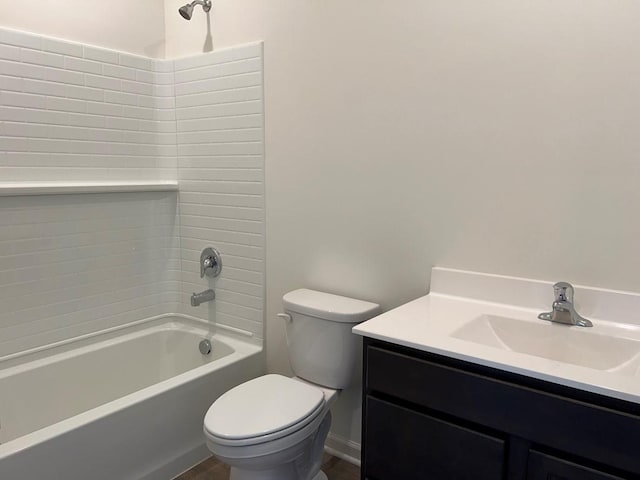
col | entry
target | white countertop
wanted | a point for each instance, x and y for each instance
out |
(431, 323)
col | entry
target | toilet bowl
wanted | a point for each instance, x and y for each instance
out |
(269, 428)
(274, 427)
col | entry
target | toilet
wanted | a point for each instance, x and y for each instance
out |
(274, 427)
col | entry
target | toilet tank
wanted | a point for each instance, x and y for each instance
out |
(322, 348)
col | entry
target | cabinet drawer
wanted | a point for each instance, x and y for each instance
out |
(403, 444)
(547, 467)
(601, 434)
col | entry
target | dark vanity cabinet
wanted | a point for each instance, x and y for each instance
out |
(430, 417)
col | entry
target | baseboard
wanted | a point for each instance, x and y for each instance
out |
(343, 448)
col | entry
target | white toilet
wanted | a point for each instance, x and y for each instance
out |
(274, 427)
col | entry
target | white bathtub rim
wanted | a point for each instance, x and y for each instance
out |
(45, 351)
(14, 368)
(242, 350)
(29, 361)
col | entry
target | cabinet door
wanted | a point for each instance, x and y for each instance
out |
(401, 444)
(546, 467)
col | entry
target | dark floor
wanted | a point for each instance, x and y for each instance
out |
(213, 469)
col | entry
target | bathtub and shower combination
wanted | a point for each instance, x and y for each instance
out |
(125, 403)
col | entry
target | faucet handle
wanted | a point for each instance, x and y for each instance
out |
(210, 262)
(563, 292)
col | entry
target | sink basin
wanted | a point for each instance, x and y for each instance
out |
(553, 341)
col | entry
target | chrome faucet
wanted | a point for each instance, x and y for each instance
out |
(562, 310)
(202, 297)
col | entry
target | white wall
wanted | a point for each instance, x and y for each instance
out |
(130, 26)
(499, 136)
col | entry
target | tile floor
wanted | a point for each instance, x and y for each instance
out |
(212, 469)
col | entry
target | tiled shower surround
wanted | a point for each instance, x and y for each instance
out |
(219, 113)
(74, 264)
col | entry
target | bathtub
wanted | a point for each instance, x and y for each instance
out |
(127, 403)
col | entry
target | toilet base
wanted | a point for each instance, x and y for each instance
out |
(321, 476)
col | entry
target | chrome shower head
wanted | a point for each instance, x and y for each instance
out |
(187, 10)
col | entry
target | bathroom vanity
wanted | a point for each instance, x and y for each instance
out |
(459, 388)
(431, 417)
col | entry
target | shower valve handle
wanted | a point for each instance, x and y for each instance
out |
(210, 263)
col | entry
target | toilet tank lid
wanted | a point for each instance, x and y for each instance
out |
(329, 307)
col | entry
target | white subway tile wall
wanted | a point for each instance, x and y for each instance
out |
(74, 264)
(74, 112)
(219, 112)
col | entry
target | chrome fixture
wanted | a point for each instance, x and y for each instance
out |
(187, 10)
(562, 310)
(210, 262)
(202, 297)
(205, 347)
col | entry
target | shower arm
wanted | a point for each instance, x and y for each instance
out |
(206, 4)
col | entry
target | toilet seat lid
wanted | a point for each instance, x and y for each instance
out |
(261, 407)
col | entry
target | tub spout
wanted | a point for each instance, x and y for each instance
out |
(202, 297)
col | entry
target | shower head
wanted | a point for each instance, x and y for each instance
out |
(187, 10)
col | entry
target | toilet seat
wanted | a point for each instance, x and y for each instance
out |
(262, 410)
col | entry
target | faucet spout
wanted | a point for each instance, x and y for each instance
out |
(202, 297)
(562, 309)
